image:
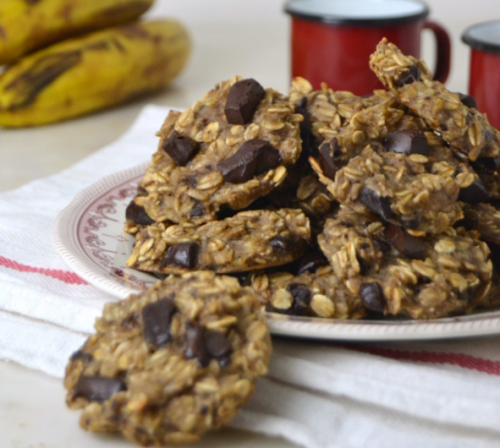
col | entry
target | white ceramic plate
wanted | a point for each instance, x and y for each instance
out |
(88, 235)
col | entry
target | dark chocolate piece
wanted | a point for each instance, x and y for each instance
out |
(372, 296)
(138, 215)
(196, 345)
(301, 298)
(98, 388)
(156, 318)
(218, 346)
(184, 255)
(254, 157)
(282, 243)
(381, 244)
(412, 75)
(79, 354)
(181, 149)
(407, 142)
(467, 100)
(197, 210)
(309, 146)
(377, 204)
(474, 193)
(242, 102)
(486, 165)
(405, 243)
(329, 158)
(311, 261)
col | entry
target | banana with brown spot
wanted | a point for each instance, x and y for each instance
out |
(27, 25)
(96, 71)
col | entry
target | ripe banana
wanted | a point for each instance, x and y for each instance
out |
(27, 25)
(92, 72)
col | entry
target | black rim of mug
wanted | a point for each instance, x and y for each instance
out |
(478, 44)
(338, 20)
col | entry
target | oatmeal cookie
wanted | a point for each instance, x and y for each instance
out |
(407, 188)
(249, 240)
(397, 273)
(172, 363)
(230, 148)
(445, 112)
(315, 294)
(326, 110)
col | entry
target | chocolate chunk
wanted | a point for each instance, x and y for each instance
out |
(309, 146)
(467, 100)
(184, 255)
(98, 388)
(181, 149)
(197, 210)
(407, 142)
(156, 318)
(242, 102)
(377, 204)
(218, 346)
(329, 158)
(283, 243)
(138, 215)
(486, 165)
(311, 261)
(381, 244)
(405, 243)
(79, 354)
(412, 75)
(301, 298)
(254, 157)
(372, 296)
(364, 266)
(196, 345)
(474, 193)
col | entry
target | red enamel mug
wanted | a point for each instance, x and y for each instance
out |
(484, 75)
(332, 40)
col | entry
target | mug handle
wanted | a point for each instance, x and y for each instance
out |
(443, 53)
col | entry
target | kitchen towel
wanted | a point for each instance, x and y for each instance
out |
(317, 395)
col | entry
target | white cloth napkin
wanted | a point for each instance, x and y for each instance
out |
(318, 395)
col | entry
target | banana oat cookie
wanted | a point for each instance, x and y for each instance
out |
(172, 363)
(249, 240)
(396, 273)
(325, 111)
(314, 294)
(405, 184)
(230, 148)
(445, 112)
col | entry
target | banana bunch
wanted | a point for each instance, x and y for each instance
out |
(86, 73)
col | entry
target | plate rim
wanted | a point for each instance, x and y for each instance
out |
(64, 233)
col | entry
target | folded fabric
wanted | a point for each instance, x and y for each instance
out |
(433, 394)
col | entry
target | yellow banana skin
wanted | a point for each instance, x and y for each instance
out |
(27, 25)
(89, 73)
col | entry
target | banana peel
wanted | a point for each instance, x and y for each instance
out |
(28, 25)
(85, 74)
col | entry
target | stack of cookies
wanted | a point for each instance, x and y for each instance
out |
(328, 204)
(319, 204)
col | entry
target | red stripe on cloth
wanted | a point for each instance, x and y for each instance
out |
(63, 276)
(456, 359)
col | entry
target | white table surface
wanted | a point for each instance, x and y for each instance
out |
(230, 37)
